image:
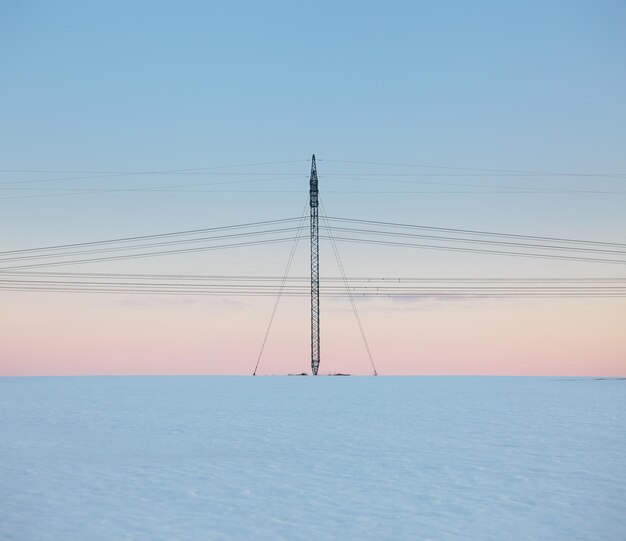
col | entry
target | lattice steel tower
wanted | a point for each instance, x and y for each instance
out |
(315, 271)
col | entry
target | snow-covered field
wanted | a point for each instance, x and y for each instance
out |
(293, 458)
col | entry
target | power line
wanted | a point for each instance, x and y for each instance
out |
(367, 279)
(150, 254)
(480, 241)
(491, 170)
(302, 287)
(157, 235)
(452, 294)
(150, 245)
(488, 188)
(350, 296)
(345, 192)
(478, 251)
(194, 170)
(104, 246)
(338, 219)
(111, 174)
(79, 192)
(282, 287)
(157, 188)
(289, 177)
(475, 231)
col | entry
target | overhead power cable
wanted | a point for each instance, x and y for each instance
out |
(475, 231)
(332, 218)
(348, 290)
(478, 250)
(478, 188)
(156, 188)
(326, 279)
(296, 287)
(111, 174)
(492, 170)
(478, 170)
(378, 232)
(341, 293)
(545, 247)
(149, 254)
(282, 286)
(154, 236)
(150, 245)
(303, 288)
(78, 192)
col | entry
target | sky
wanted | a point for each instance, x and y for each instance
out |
(243, 93)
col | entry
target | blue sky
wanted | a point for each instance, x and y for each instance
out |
(156, 85)
(145, 86)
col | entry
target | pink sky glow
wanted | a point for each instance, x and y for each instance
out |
(89, 335)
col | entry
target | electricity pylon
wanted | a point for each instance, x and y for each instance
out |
(315, 271)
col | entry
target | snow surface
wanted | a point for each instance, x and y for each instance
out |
(312, 458)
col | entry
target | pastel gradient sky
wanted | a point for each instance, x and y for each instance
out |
(138, 86)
